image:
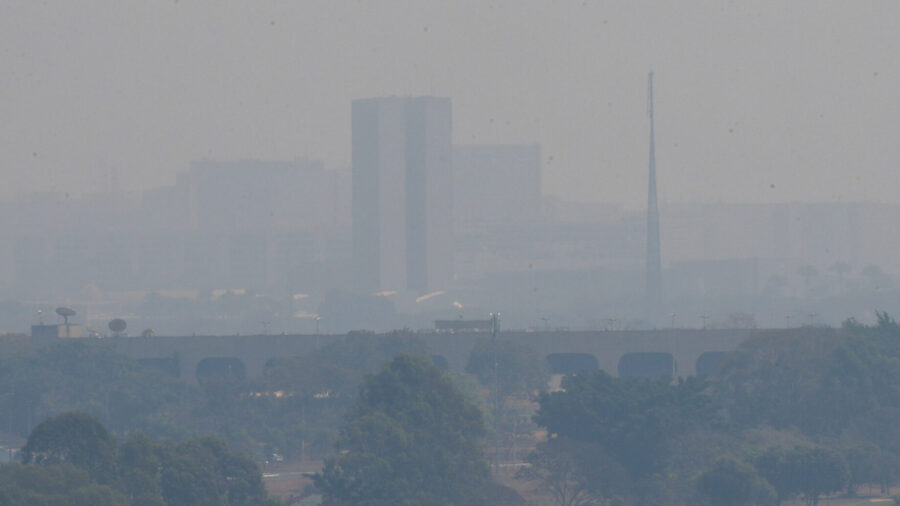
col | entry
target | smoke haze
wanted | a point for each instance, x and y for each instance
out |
(767, 102)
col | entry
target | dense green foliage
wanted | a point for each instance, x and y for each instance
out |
(575, 473)
(518, 368)
(410, 439)
(298, 404)
(95, 380)
(803, 470)
(799, 413)
(731, 482)
(75, 438)
(201, 471)
(71, 459)
(633, 421)
(510, 374)
(294, 409)
(57, 485)
(793, 414)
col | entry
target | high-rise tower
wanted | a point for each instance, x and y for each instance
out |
(402, 193)
(653, 289)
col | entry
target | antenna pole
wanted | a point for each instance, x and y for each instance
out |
(654, 264)
(495, 329)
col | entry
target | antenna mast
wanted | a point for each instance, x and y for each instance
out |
(654, 264)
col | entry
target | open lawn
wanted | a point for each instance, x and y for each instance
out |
(846, 501)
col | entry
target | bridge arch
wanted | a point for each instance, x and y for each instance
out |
(168, 365)
(708, 363)
(220, 368)
(653, 364)
(571, 363)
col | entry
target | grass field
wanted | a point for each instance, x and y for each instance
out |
(846, 501)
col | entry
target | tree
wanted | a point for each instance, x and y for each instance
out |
(83, 466)
(88, 376)
(632, 420)
(519, 369)
(411, 439)
(75, 438)
(731, 482)
(140, 468)
(510, 371)
(810, 471)
(819, 471)
(574, 473)
(770, 466)
(201, 471)
(297, 406)
(866, 463)
(55, 485)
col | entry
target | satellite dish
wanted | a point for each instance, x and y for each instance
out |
(117, 325)
(65, 312)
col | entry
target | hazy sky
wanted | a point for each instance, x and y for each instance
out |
(755, 101)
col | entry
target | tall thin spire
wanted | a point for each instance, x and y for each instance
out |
(654, 264)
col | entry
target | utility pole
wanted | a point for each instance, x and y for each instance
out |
(318, 318)
(495, 329)
(812, 319)
(653, 289)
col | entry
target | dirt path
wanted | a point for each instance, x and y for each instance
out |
(286, 480)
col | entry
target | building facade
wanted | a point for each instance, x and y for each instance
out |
(402, 194)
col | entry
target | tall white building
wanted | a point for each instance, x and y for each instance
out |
(402, 194)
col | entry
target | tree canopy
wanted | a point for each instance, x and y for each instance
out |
(803, 413)
(293, 409)
(75, 438)
(519, 369)
(56, 485)
(410, 439)
(731, 482)
(575, 473)
(71, 459)
(632, 420)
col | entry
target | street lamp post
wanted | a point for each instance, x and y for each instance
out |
(317, 331)
(495, 329)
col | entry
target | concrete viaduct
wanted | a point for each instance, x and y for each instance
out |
(681, 352)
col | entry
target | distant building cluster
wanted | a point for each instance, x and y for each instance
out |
(386, 224)
(451, 231)
(247, 224)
